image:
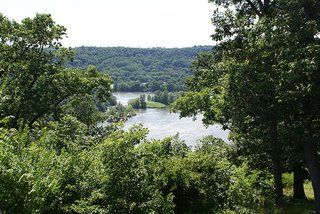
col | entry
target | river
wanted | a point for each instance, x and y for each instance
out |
(161, 123)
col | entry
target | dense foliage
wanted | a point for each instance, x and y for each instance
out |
(141, 69)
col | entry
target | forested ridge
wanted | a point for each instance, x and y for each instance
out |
(141, 69)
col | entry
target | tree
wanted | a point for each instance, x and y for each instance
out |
(135, 178)
(142, 101)
(138, 103)
(262, 66)
(34, 82)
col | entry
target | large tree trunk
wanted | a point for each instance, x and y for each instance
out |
(312, 159)
(277, 176)
(298, 177)
(276, 164)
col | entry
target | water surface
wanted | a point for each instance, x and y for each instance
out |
(161, 123)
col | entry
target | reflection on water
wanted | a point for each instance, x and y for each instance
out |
(161, 123)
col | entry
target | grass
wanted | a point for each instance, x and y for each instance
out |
(287, 179)
(151, 104)
(297, 207)
(308, 190)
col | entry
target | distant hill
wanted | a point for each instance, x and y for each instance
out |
(141, 69)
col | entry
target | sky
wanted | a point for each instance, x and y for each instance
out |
(128, 23)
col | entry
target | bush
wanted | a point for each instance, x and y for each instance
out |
(134, 178)
(250, 191)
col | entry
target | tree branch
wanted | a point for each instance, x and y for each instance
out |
(2, 71)
(266, 6)
(261, 5)
(254, 8)
(46, 110)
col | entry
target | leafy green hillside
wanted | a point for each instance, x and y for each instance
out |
(141, 69)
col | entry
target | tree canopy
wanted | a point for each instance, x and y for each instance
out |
(262, 82)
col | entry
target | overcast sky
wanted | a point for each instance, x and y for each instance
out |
(129, 23)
